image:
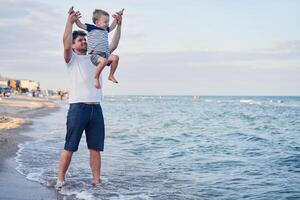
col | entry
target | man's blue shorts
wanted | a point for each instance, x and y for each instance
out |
(85, 117)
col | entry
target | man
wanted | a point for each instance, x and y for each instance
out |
(85, 112)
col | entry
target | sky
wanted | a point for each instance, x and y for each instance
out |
(191, 47)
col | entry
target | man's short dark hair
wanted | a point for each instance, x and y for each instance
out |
(75, 34)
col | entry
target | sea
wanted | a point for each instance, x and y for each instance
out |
(177, 147)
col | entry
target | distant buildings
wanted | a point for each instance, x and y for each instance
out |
(3, 83)
(13, 84)
(22, 85)
(29, 85)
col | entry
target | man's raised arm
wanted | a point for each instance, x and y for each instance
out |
(67, 39)
(117, 35)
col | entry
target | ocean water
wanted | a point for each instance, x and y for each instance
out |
(178, 147)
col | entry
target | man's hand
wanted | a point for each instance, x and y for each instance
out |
(71, 10)
(117, 35)
(118, 16)
(67, 39)
(73, 16)
(121, 12)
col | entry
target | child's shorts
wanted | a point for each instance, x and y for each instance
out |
(95, 57)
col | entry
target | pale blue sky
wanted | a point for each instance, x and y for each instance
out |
(167, 47)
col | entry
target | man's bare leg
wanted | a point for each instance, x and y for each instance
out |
(64, 162)
(114, 59)
(101, 64)
(95, 164)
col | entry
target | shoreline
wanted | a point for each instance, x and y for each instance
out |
(15, 119)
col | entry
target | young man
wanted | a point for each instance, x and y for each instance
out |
(85, 112)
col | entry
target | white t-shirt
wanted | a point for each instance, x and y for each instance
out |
(81, 73)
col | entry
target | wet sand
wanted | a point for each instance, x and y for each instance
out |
(15, 118)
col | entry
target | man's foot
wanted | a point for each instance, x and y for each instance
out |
(96, 183)
(97, 83)
(112, 78)
(59, 185)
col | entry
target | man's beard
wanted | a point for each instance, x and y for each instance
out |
(83, 50)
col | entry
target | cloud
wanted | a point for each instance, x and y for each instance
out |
(181, 66)
(31, 47)
(29, 26)
(283, 54)
(208, 73)
(284, 48)
(31, 37)
(262, 72)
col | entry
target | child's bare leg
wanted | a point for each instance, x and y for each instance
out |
(101, 64)
(114, 59)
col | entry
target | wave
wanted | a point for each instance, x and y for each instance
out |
(250, 101)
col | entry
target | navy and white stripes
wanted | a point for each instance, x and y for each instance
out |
(97, 39)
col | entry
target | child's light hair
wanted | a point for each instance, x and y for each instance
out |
(98, 13)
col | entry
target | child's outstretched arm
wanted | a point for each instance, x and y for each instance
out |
(80, 24)
(114, 23)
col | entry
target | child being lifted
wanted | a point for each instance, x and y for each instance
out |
(97, 43)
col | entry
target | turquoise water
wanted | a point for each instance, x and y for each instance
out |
(185, 147)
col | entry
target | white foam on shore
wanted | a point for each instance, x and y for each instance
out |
(84, 195)
(18, 159)
(131, 197)
(35, 176)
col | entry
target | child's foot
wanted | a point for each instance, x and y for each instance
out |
(97, 83)
(112, 78)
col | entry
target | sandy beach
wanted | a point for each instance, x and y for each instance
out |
(15, 118)
(14, 110)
